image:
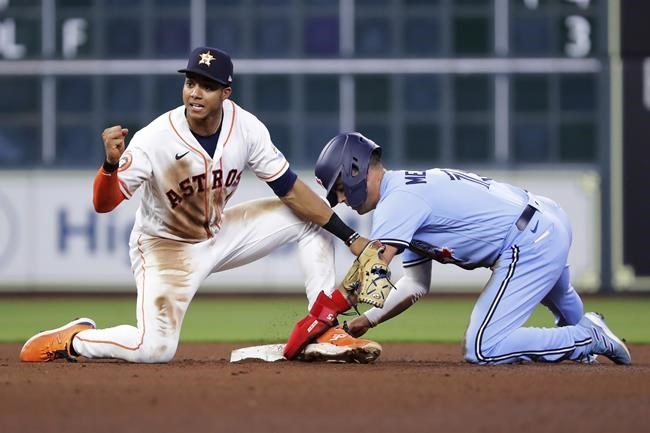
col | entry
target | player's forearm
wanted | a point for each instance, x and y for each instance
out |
(307, 204)
(406, 293)
(106, 191)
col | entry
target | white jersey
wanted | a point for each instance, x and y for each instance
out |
(185, 189)
(183, 233)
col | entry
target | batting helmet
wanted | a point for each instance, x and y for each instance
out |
(347, 155)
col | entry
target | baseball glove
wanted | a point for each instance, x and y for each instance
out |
(368, 279)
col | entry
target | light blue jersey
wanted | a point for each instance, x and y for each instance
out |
(456, 217)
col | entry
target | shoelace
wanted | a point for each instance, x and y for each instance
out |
(58, 354)
(65, 355)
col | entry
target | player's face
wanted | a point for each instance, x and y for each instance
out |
(373, 185)
(340, 192)
(372, 198)
(202, 99)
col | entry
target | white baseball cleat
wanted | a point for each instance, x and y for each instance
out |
(604, 341)
(591, 359)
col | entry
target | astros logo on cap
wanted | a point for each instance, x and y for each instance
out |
(206, 58)
(211, 63)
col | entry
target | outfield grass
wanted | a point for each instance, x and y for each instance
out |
(434, 319)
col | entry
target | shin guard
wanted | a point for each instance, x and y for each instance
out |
(321, 317)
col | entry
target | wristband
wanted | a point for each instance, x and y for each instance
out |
(339, 229)
(110, 168)
(353, 237)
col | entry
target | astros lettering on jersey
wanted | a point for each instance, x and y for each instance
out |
(185, 189)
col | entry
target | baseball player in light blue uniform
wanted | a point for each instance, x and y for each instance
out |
(457, 217)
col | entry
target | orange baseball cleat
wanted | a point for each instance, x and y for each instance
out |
(55, 344)
(336, 345)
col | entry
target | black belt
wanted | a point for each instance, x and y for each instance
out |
(525, 217)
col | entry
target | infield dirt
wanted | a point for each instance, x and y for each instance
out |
(413, 387)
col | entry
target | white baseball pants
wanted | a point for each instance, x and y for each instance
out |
(168, 274)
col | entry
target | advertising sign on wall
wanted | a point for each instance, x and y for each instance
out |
(51, 239)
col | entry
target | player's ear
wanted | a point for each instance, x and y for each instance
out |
(227, 91)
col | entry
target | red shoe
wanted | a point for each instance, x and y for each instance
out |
(338, 346)
(55, 344)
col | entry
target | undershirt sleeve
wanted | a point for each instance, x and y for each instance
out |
(106, 191)
(282, 185)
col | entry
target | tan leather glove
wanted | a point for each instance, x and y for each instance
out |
(368, 279)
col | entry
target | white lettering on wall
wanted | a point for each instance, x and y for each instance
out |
(9, 49)
(74, 36)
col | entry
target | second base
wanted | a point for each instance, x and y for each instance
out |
(267, 352)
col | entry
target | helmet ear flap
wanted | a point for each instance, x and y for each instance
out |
(354, 167)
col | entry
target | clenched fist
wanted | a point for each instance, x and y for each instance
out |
(114, 143)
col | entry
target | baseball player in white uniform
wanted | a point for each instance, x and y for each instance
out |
(189, 162)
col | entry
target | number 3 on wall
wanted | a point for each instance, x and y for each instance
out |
(578, 36)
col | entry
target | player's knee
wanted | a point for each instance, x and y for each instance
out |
(472, 350)
(469, 354)
(474, 356)
(158, 352)
(478, 351)
(164, 354)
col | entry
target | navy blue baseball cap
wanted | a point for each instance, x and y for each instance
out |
(210, 63)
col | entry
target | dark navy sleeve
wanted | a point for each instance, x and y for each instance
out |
(283, 184)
